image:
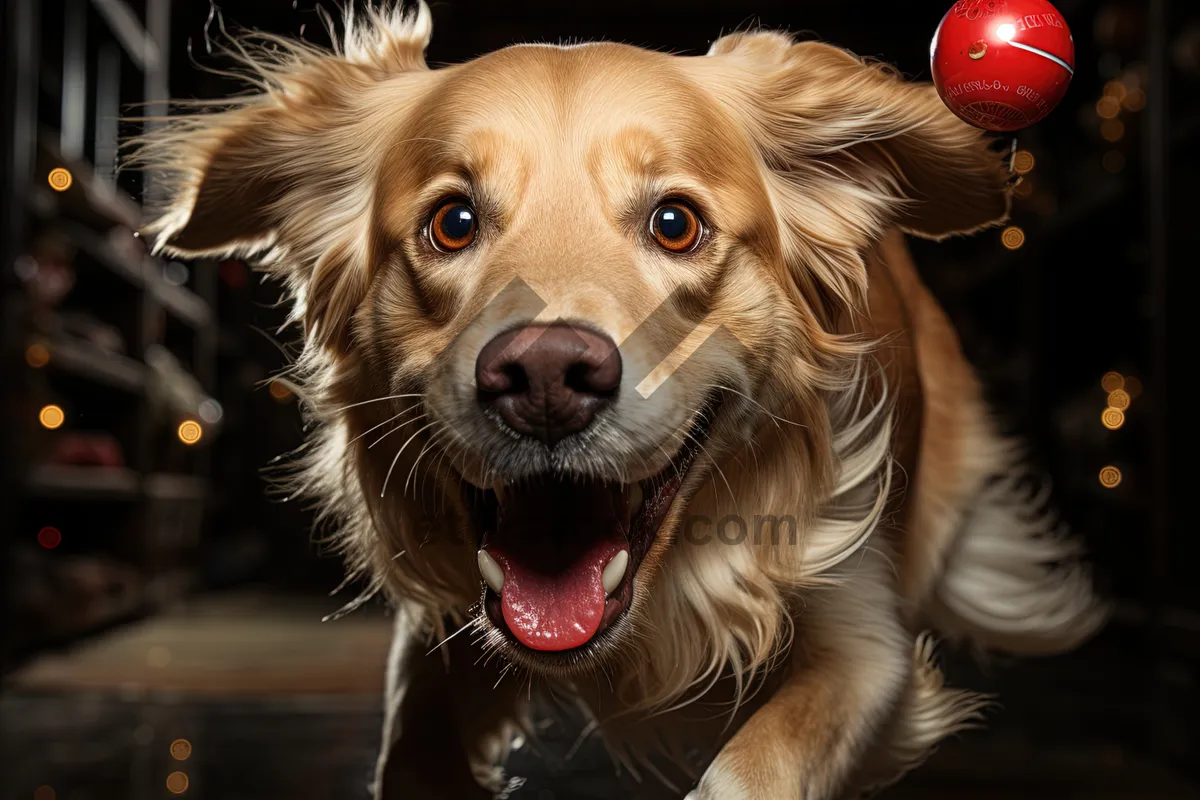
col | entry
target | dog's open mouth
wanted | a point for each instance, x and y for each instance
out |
(559, 554)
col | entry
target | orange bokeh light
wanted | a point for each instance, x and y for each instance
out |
(1112, 130)
(1118, 399)
(36, 355)
(1023, 162)
(177, 782)
(1135, 100)
(1110, 477)
(1013, 237)
(51, 417)
(190, 431)
(1113, 418)
(60, 179)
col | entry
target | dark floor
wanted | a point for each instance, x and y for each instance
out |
(275, 705)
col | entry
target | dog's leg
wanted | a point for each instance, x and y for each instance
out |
(851, 664)
(434, 746)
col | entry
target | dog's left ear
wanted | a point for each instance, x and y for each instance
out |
(820, 116)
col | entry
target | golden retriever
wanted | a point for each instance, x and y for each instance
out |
(621, 369)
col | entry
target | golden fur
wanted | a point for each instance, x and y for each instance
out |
(801, 667)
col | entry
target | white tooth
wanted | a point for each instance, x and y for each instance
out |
(491, 572)
(614, 572)
(635, 498)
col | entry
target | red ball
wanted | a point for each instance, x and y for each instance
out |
(1002, 65)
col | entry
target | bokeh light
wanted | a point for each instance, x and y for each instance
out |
(1112, 130)
(49, 537)
(1135, 100)
(177, 782)
(51, 417)
(280, 391)
(211, 411)
(1108, 107)
(175, 274)
(233, 273)
(1134, 387)
(1118, 399)
(1023, 162)
(36, 355)
(190, 431)
(1110, 477)
(1113, 418)
(1115, 89)
(60, 179)
(1013, 237)
(1112, 381)
(181, 749)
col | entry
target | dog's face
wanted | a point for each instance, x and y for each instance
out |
(579, 278)
(559, 239)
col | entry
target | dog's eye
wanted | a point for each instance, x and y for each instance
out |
(675, 226)
(453, 226)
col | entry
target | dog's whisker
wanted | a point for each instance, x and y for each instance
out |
(503, 672)
(400, 452)
(381, 424)
(399, 427)
(375, 400)
(431, 443)
(437, 646)
(776, 418)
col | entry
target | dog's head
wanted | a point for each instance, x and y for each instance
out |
(548, 293)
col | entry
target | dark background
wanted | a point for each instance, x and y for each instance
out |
(150, 525)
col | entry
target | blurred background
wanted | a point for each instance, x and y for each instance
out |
(162, 613)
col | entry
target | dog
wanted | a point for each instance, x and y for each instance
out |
(625, 388)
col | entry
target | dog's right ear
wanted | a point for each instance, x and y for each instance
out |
(224, 179)
(287, 175)
(217, 182)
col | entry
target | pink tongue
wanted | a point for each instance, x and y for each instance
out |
(553, 543)
(555, 611)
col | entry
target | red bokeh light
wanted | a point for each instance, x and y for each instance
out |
(233, 273)
(49, 537)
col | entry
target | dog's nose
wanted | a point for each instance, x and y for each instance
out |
(548, 381)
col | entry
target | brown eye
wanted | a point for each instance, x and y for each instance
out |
(453, 226)
(675, 226)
